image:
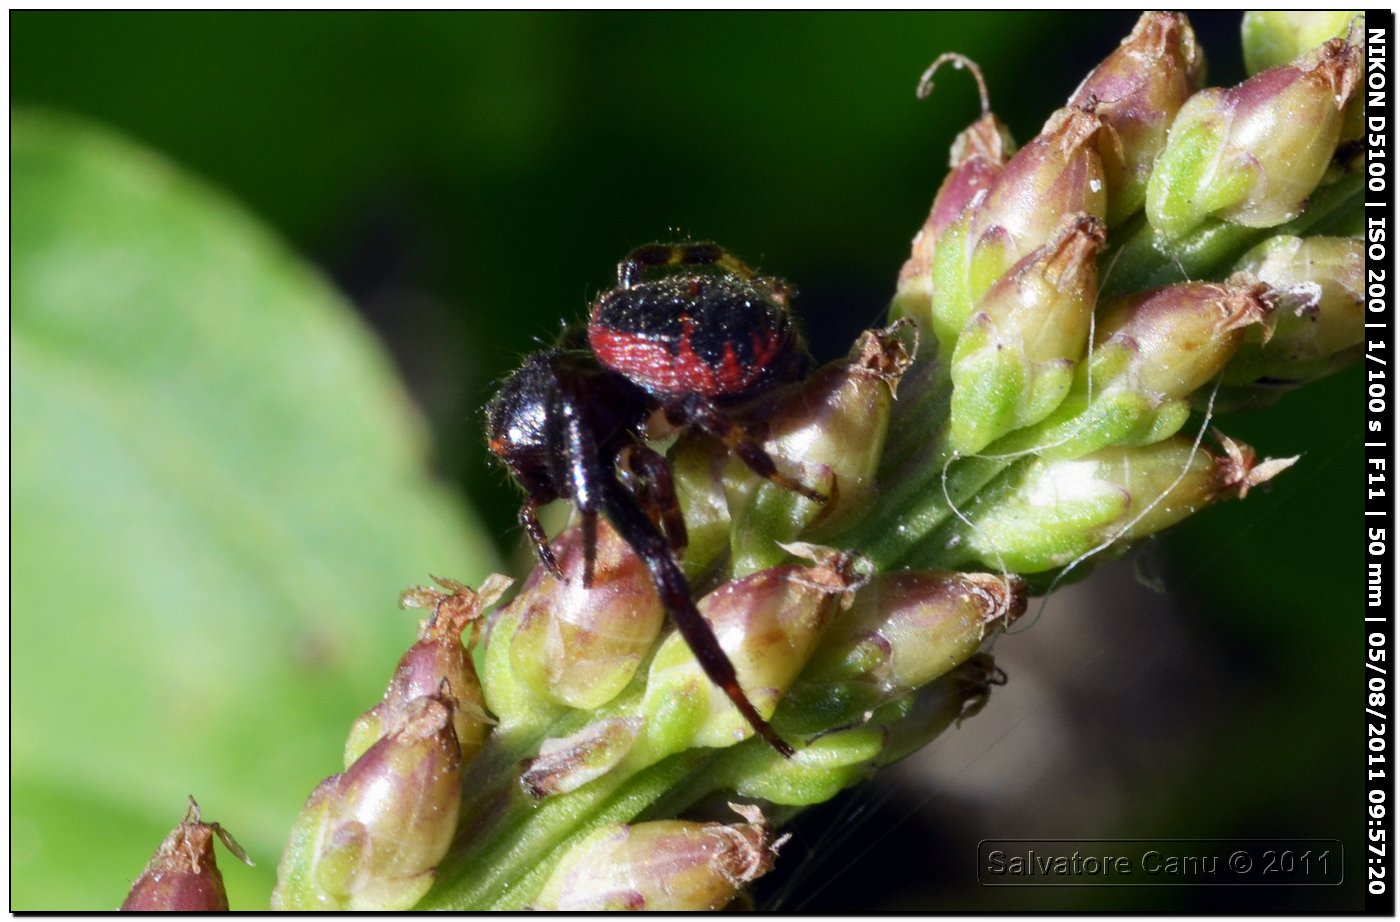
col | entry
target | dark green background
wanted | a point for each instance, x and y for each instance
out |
(470, 180)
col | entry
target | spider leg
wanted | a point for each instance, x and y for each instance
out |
(646, 540)
(630, 270)
(578, 454)
(579, 449)
(658, 491)
(588, 525)
(696, 410)
(530, 521)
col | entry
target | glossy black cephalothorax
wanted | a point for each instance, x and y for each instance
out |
(570, 418)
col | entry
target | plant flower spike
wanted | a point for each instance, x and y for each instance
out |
(780, 578)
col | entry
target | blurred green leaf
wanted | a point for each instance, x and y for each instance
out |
(218, 490)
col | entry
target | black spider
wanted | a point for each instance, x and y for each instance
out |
(688, 343)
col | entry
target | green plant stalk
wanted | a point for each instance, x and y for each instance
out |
(934, 483)
(519, 851)
(515, 842)
(509, 833)
(514, 829)
(512, 852)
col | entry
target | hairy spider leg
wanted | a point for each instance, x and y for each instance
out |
(586, 472)
(644, 538)
(530, 521)
(657, 491)
(698, 410)
(630, 270)
(595, 487)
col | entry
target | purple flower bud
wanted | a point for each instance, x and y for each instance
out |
(440, 656)
(1178, 337)
(975, 161)
(182, 875)
(661, 865)
(1054, 179)
(580, 645)
(1317, 327)
(371, 837)
(943, 703)
(833, 425)
(1152, 352)
(1136, 92)
(768, 624)
(909, 627)
(1253, 153)
(977, 156)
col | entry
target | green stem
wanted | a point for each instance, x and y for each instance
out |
(900, 524)
(510, 842)
(923, 484)
(524, 846)
(921, 403)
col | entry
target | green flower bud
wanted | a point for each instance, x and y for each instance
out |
(1055, 179)
(1052, 181)
(1136, 92)
(367, 730)
(1015, 360)
(1253, 153)
(906, 629)
(568, 764)
(768, 625)
(439, 656)
(1047, 513)
(975, 160)
(1272, 38)
(977, 156)
(1152, 351)
(1318, 326)
(370, 838)
(1184, 334)
(943, 703)
(576, 645)
(665, 865)
(182, 875)
(832, 429)
(698, 470)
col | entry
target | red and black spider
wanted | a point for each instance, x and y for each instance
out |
(691, 343)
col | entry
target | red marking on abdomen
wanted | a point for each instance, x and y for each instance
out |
(651, 363)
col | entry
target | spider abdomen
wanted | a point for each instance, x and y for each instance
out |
(715, 336)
